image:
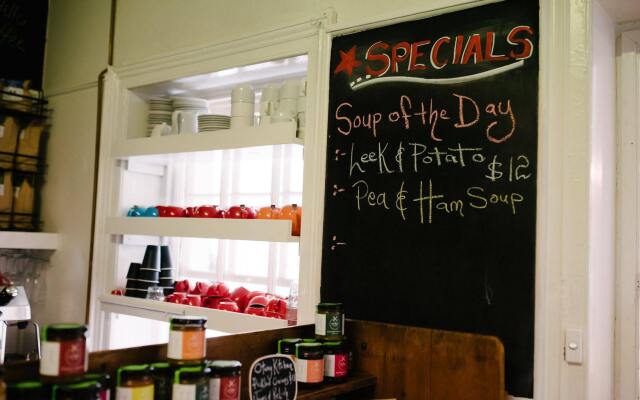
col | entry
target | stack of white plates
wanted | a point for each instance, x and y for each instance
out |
(213, 122)
(189, 104)
(160, 109)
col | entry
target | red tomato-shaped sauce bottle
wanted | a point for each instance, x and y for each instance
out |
(293, 213)
(272, 212)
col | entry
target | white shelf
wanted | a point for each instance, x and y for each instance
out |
(29, 240)
(273, 134)
(224, 321)
(215, 228)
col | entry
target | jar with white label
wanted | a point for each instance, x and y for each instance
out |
(64, 353)
(191, 383)
(105, 381)
(309, 364)
(187, 340)
(336, 362)
(134, 383)
(329, 321)
(224, 381)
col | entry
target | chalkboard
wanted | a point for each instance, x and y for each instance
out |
(430, 197)
(23, 27)
(273, 377)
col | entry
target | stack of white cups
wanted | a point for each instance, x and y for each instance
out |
(302, 108)
(288, 101)
(242, 106)
(268, 103)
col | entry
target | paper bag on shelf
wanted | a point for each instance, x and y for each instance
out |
(8, 137)
(29, 145)
(24, 198)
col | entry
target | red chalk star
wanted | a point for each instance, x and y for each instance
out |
(347, 62)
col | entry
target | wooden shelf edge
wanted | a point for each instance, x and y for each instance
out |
(359, 380)
(223, 321)
(270, 135)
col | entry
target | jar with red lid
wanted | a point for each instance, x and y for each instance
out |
(64, 353)
(309, 364)
(225, 380)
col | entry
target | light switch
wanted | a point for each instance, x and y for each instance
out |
(573, 346)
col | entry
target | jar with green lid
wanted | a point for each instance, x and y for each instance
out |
(288, 346)
(134, 382)
(105, 381)
(329, 321)
(191, 383)
(32, 390)
(163, 380)
(64, 353)
(336, 361)
(187, 340)
(88, 390)
(225, 379)
(309, 364)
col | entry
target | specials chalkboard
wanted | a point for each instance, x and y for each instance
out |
(23, 27)
(430, 198)
(273, 377)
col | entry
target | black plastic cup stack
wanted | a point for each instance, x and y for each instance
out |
(150, 270)
(133, 289)
(167, 278)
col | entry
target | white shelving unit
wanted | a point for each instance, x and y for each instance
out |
(267, 135)
(29, 240)
(214, 228)
(224, 321)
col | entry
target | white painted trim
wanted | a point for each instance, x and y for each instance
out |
(627, 218)
(70, 89)
(29, 240)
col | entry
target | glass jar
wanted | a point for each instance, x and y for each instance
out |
(163, 380)
(105, 383)
(26, 390)
(64, 353)
(336, 362)
(134, 383)
(88, 390)
(309, 364)
(191, 383)
(329, 321)
(187, 340)
(288, 346)
(225, 379)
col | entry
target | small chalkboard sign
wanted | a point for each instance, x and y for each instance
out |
(273, 377)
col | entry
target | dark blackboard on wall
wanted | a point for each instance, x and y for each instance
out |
(430, 198)
(23, 27)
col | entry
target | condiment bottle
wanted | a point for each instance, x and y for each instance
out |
(88, 390)
(309, 364)
(134, 383)
(225, 380)
(191, 383)
(187, 340)
(64, 353)
(105, 381)
(329, 321)
(336, 362)
(163, 380)
(32, 390)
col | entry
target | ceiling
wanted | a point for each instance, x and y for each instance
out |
(622, 10)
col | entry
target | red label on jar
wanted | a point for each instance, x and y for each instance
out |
(336, 365)
(72, 357)
(230, 388)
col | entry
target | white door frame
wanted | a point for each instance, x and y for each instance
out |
(627, 216)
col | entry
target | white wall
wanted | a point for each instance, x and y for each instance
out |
(602, 208)
(76, 52)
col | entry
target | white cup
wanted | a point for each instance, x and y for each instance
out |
(289, 106)
(289, 89)
(184, 122)
(243, 93)
(270, 93)
(241, 122)
(160, 130)
(242, 109)
(282, 116)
